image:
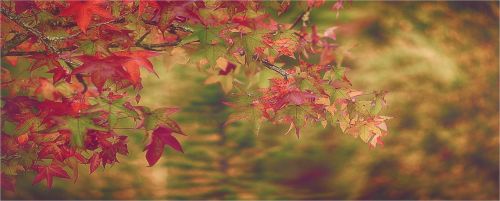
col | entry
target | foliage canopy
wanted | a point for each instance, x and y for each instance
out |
(71, 74)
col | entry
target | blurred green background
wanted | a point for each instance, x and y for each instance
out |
(439, 62)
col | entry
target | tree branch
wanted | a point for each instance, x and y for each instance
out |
(138, 43)
(172, 26)
(37, 33)
(29, 53)
(15, 41)
(19, 53)
(46, 42)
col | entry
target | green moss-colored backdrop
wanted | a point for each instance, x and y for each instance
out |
(439, 62)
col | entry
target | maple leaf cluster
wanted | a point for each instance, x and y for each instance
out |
(71, 76)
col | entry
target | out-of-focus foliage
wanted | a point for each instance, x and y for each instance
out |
(439, 62)
(52, 128)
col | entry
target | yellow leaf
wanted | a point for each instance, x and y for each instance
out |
(374, 140)
(344, 123)
(364, 133)
(221, 63)
(323, 123)
(323, 101)
(331, 109)
(212, 79)
(226, 83)
(354, 93)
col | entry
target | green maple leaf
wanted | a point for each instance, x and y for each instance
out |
(160, 117)
(10, 128)
(251, 41)
(78, 128)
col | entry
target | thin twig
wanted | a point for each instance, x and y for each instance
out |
(172, 26)
(273, 67)
(300, 17)
(158, 45)
(143, 37)
(152, 47)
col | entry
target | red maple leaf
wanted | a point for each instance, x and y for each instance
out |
(47, 172)
(94, 161)
(56, 146)
(108, 153)
(282, 93)
(20, 108)
(22, 6)
(137, 59)
(145, 4)
(59, 74)
(65, 107)
(52, 149)
(82, 11)
(102, 69)
(154, 151)
(110, 144)
(114, 34)
(236, 6)
(229, 68)
(122, 66)
(165, 134)
(161, 136)
(40, 60)
(179, 11)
